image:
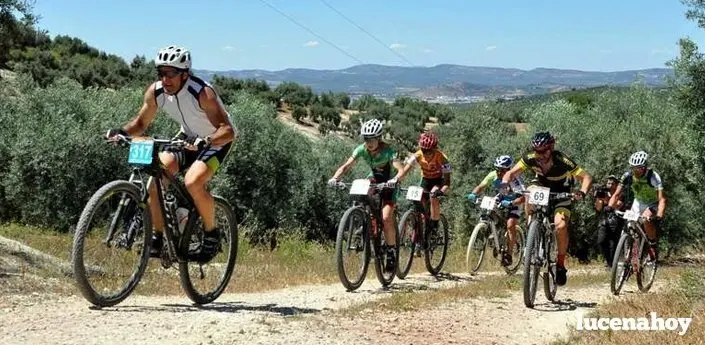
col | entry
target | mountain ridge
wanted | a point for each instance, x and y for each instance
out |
(421, 81)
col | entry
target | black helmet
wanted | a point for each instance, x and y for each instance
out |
(542, 139)
(612, 177)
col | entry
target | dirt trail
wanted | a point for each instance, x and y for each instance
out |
(297, 315)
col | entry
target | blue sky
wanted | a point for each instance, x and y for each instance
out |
(597, 35)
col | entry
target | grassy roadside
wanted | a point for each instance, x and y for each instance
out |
(293, 262)
(684, 298)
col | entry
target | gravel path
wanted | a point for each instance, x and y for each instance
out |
(297, 315)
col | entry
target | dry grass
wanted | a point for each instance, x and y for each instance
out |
(685, 298)
(294, 262)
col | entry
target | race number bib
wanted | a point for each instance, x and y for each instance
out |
(414, 193)
(631, 215)
(360, 187)
(539, 195)
(141, 152)
(487, 203)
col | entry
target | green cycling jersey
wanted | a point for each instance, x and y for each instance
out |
(645, 188)
(380, 162)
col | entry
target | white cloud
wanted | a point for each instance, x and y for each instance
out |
(311, 44)
(427, 50)
(397, 46)
(227, 48)
(490, 48)
(264, 46)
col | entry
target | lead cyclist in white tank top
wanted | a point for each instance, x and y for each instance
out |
(205, 124)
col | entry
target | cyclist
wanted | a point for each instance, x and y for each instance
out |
(502, 164)
(609, 225)
(435, 170)
(554, 170)
(649, 198)
(205, 125)
(380, 156)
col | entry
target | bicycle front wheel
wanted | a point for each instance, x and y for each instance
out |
(353, 240)
(477, 247)
(111, 244)
(532, 263)
(621, 263)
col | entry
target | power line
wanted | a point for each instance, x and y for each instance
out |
(368, 33)
(313, 33)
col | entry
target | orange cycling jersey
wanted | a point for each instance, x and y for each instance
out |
(432, 168)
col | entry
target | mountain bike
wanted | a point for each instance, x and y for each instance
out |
(361, 230)
(491, 232)
(117, 219)
(413, 233)
(632, 255)
(541, 244)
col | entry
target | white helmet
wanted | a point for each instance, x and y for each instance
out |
(177, 57)
(503, 162)
(371, 129)
(638, 159)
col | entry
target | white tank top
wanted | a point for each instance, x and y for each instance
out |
(185, 109)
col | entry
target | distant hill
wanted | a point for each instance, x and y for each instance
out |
(447, 80)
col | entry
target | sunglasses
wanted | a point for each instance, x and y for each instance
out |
(541, 151)
(371, 140)
(168, 74)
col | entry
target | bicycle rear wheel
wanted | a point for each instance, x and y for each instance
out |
(549, 277)
(104, 283)
(353, 238)
(647, 269)
(517, 252)
(436, 240)
(407, 245)
(380, 247)
(205, 283)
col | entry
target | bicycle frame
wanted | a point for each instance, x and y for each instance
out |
(544, 212)
(157, 174)
(635, 229)
(423, 210)
(495, 221)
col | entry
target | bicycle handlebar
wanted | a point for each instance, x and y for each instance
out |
(424, 192)
(372, 185)
(552, 195)
(621, 213)
(124, 140)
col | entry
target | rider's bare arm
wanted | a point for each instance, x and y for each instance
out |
(217, 116)
(478, 189)
(399, 166)
(343, 169)
(401, 173)
(446, 182)
(616, 196)
(661, 203)
(585, 181)
(515, 171)
(145, 116)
